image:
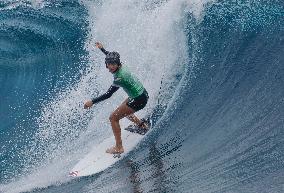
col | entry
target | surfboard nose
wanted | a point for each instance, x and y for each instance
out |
(73, 174)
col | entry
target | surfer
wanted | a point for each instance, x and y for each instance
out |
(137, 97)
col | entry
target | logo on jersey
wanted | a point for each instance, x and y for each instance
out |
(117, 79)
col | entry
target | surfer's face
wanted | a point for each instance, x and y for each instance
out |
(112, 67)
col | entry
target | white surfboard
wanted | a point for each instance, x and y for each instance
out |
(98, 160)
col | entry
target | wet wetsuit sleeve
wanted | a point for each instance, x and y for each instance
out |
(112, 89)
(104, 51)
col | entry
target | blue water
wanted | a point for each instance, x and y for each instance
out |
(214, 71)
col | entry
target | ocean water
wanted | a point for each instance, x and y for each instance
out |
(214, 71)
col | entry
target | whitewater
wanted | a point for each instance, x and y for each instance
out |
(214, 71)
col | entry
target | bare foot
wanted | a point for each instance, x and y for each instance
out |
(115, 150)
(143, 125)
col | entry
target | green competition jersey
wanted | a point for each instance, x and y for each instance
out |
(130, 83)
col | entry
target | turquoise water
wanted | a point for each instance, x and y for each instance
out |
(214, 71)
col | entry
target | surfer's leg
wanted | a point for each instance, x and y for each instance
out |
(137, 121)
(122, 111)
(133, 118)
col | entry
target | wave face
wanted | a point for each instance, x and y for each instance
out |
(41, 52)
(214, 72)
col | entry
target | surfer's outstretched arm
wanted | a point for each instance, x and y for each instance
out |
(100, 46)
(112, 89)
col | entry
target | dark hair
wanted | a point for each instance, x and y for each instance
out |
(112, 58)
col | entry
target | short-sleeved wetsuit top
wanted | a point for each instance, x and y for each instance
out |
(130, 84)
(123, 78)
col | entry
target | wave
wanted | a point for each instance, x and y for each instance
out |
(63, 128)
(214, 73)
(41, 52)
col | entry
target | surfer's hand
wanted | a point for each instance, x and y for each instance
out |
(88, 104)
(99, 45)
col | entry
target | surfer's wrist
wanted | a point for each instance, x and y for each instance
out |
(104, 50)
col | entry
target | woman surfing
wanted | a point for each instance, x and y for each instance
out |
(137, 97)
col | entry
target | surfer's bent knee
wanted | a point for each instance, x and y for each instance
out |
(113, 118)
